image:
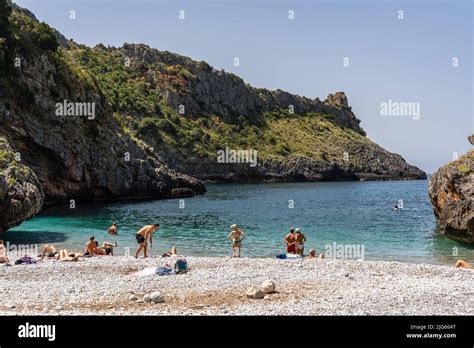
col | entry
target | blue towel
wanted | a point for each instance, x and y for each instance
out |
(161, 271)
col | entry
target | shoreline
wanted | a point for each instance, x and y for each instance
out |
(218, 285)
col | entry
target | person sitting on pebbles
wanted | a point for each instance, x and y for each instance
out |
(236, 236)
(313, 255)
(48, 251)
(172, 252)
(92, 248)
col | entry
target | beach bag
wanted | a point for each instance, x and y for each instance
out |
(181, 266)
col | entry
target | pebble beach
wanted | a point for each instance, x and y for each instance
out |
(121, 285)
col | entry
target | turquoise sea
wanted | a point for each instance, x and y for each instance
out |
(342, 212)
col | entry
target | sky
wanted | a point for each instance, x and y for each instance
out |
(402, 60)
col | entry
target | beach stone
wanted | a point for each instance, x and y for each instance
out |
(254, 293)
(133, 298)
(146, 298)
(268, 286)
(157, 297)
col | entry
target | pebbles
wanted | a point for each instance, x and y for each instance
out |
(268, 286)
(254, 293)
(305, 287)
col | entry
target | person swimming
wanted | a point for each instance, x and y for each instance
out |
(236, 236)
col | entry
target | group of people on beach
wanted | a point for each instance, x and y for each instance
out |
(294, 241)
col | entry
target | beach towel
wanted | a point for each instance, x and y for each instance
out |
(25, 260)
(164, 270)
(288, 256)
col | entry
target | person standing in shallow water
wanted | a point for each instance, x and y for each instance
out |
(236, 236)
(142, 235)
(290, 242)
(299, 241)
(113, 229)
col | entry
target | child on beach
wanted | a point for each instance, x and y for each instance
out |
(236, 236)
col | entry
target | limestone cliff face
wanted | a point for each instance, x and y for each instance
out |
(212, 109)
(80, 156)
(451, 190)
(21, 193)
(205, 90)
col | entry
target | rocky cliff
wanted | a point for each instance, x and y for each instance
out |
(187, 111)
(135, 122)
(21, 193)
(82, 154)
(451, 191)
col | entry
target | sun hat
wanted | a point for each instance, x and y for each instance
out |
(297, 230)
(233, 226)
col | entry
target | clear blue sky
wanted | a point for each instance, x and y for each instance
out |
(407, 60)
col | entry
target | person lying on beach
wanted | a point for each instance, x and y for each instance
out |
(64, 255)
(463, 264)
(313, 255)
(236, 236)
(3, 253)
(290, 242)
(108, 248)
(113, 229)
(171, 252)
(299, 241)
(48, 251)
(142, 235)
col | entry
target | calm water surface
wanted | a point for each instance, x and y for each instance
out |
(341, 212)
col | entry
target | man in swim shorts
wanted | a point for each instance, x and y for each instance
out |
(299, 242)
(142, 235)
(290, 242)
(236, 236)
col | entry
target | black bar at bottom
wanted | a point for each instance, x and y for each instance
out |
(212, 330)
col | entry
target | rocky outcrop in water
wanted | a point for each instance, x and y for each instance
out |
(21, 194)
(451, 190)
